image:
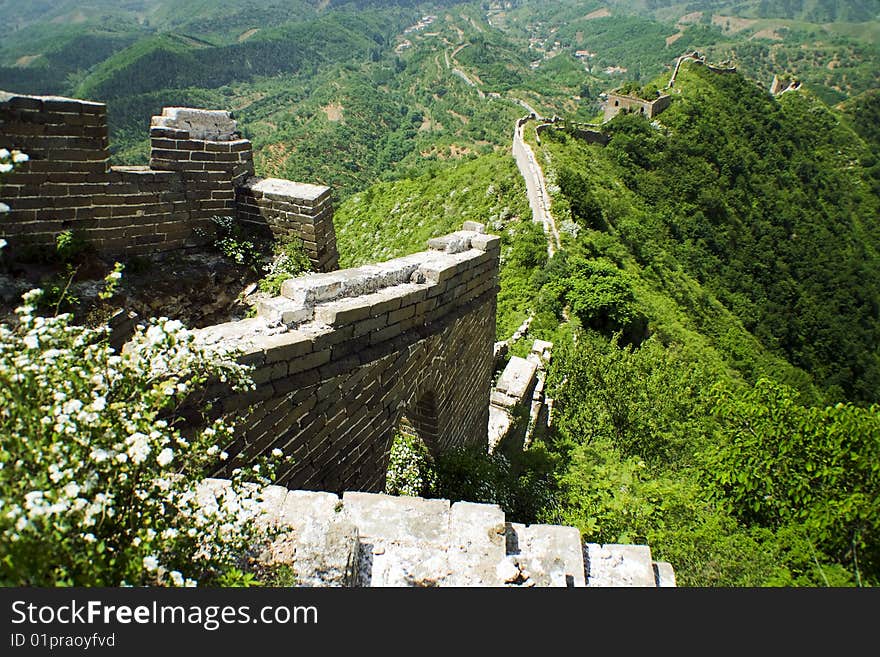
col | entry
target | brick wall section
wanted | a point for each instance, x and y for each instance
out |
(212, 162)
(342, 357)
(587, 132)
(197, 161)
(289, 209)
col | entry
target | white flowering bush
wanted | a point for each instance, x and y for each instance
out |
(8, 161)
(99, 486)
(569, 227)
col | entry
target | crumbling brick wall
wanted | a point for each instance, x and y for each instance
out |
(199, 167)
(617, 103)
(341, 358)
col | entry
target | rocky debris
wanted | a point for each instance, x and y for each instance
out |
(199, 287)
(323, 547)
(520, 391)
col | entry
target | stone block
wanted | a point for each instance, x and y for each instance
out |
(618, 565)
(213, 125)
(286, 190)
(543, 350)
(457, 242)
(518, 378)
(387, 564)
(474, 226)
(664, 575)
(390, 518)
(438, 270)
(486, 242)
(546, 555)
(500, 424)
(344, 311)
(476, 544)
(322, 545)
(278, 310)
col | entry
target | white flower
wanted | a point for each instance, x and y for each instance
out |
(176, 577)
(277, 453)
(99, 455)
(18, 157)
(89, 538)
(165, 456)
(5, 167)
(139, 447)
(99, 404)
(3, 209)
(151, 563)
(3, 153)
(32, 295)
(71, 490)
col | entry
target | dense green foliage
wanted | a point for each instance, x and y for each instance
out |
(653, 452)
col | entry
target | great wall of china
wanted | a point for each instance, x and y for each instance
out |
(342, 359)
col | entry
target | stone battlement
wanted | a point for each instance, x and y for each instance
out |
(374, 540)
(342, 359)
(618, 102)
(200, 167)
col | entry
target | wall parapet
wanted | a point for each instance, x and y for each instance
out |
(198, 161)
(619, 102)
(286, 209)
(361, 539)
(339, 358)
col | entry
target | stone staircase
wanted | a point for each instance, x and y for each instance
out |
(377, 540)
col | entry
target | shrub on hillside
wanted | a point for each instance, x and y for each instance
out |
(98, 484)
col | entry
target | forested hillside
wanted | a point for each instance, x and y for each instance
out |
(268, 61)
(719, 272)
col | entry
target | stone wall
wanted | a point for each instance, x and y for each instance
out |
(289, 209)
(587, 132)
(782, 84)
(345, 358)
(700, 60)
(198, 162)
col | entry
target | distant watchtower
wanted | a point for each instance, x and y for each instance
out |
(619, 102)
